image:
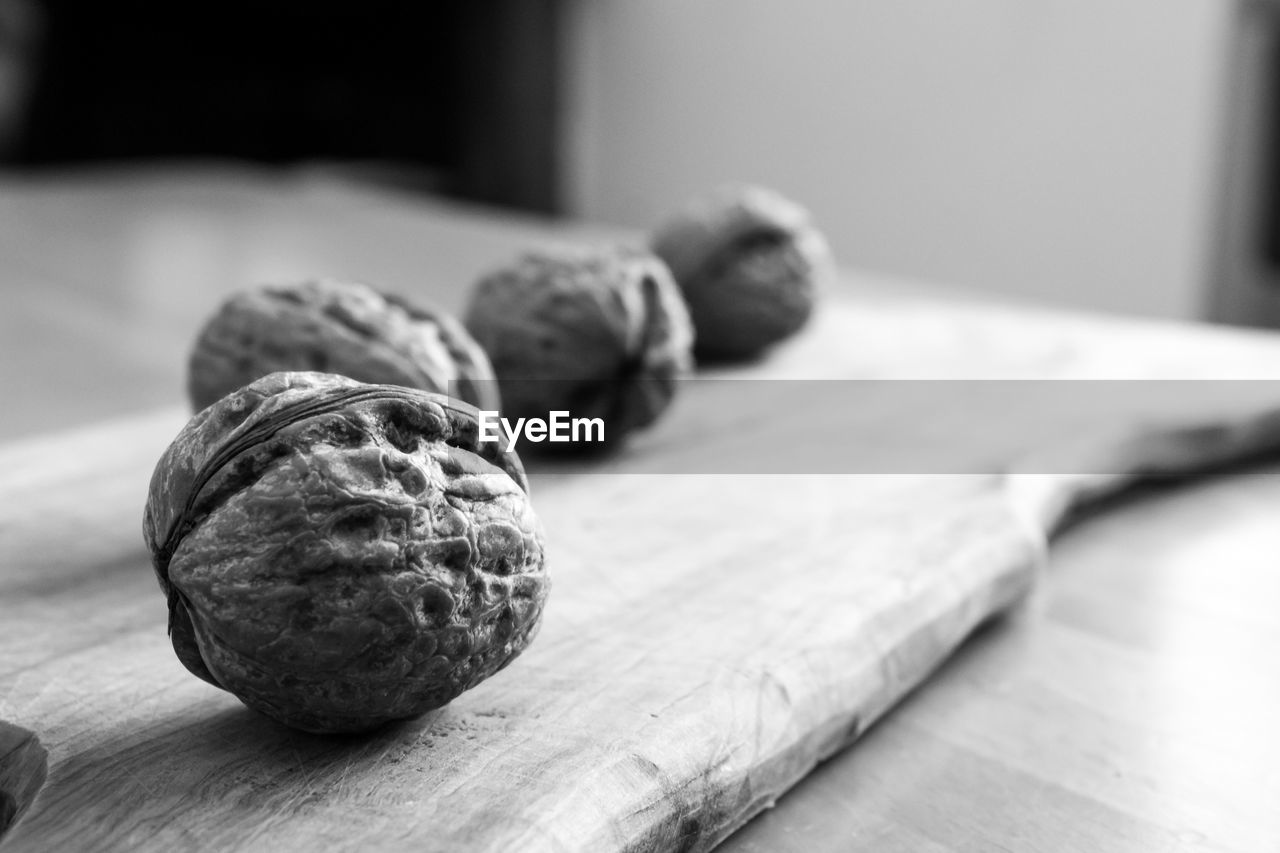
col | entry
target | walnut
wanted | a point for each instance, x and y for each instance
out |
(749, 262)
(339, 555)
(597, 331)
(336, 327)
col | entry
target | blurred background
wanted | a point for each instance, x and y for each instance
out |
(1110, 154)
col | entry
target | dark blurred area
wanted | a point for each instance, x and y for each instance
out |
(456, 98)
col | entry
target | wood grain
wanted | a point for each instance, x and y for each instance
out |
(1131, 709)
(711, 637)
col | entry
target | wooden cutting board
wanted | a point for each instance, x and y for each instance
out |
(710, 637)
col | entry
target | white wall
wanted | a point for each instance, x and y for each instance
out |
(1059, 149)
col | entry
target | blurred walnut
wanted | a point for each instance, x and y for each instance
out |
(599, 332)
(336, 327)
(749, 263)
(339, 555)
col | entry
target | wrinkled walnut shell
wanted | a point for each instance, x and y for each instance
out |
(750, 264)
(599, 332)
(336, 327)
(339, 555)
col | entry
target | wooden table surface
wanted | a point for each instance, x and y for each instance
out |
(1131, 706)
